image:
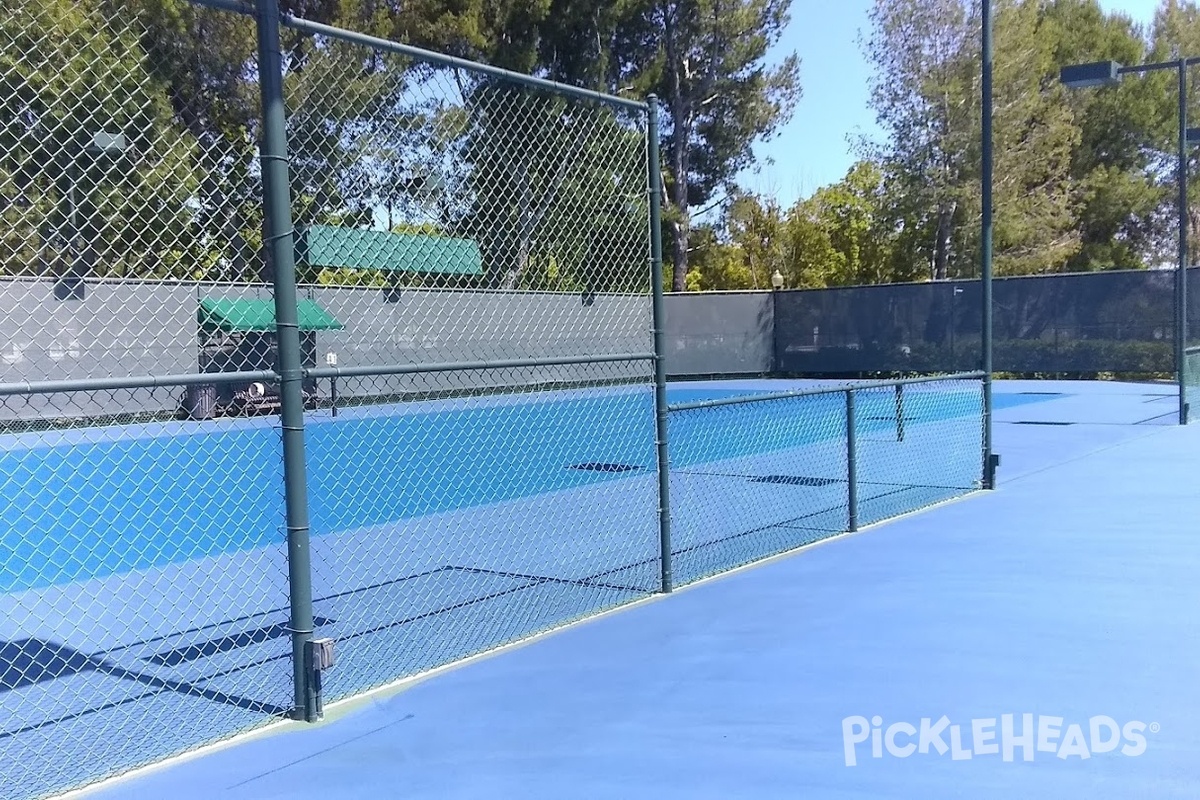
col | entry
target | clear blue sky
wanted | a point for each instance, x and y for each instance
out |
(814, 149)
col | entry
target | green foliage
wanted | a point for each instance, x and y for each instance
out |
(557, 190)
(554, 192)
(759, 232)
(706, 59)
(1084, 180)
(351, 277)
(1078, 175)
(923, 94)
(843, 235)
(68, 71)
(852, 216)
(812, 263)
(715, 265)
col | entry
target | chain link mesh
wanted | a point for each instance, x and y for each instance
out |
(917, 444)
(446, 217)
(475, 315)
(128, 185)
(759, 476)
(143, 590)
(447, 527)
(143, 582)
(754, 478)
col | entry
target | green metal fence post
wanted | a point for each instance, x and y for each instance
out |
(851, 464)
(989, 463)
(660, 362)
(281, 247)
(1181, 272)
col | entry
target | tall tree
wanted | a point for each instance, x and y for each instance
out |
(845, 233)
(707, 60)
(921, 92)
(1036, 196)
(69, 72)
(926, 94)
(758, 229)
(715, 264)
(1120, 128)
(554, 182)
(1175, 33)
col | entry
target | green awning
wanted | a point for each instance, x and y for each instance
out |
(355, 248)
(247, 315)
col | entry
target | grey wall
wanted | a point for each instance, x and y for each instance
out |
(116, 329)
(720, 334)
(1100, 321)
(423, 327)
(147, 328)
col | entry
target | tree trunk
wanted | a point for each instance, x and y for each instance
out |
(532, 210)
(681, 126)
(1192, 229)
(679, 194)
(511, 278)
(679, 234)
(941, 246)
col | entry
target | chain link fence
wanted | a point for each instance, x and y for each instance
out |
(484, 245)
(449, 527)
(481, 402)
(476, 337)
(143, 575)
(143, 591)
(473, 218)
(755, 476)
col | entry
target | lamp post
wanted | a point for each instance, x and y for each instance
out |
(101, 144)
(776, 357)
(990, 460)
(1109, 73)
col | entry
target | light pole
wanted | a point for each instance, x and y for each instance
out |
(990, 459)
(1109, 73)
(100, 144)
(776, 288)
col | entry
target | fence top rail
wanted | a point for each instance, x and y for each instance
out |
(1164, 273)
(431, 57)
(134, 382)
(821, 390)
(368, 370)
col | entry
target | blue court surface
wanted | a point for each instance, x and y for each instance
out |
(1065, 598)
(188, 480)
